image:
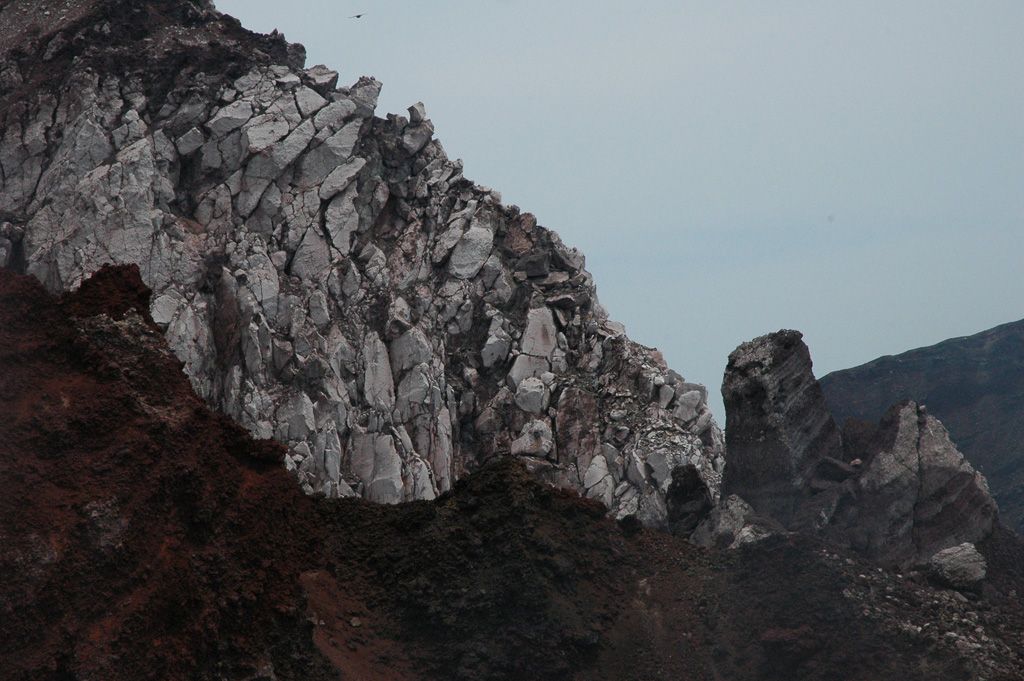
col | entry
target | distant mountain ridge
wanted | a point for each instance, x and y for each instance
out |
(973, 384)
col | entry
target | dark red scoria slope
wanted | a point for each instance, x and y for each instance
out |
(144, 537)
(141, 536)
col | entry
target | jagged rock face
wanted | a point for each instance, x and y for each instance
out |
(778, 425)
(917, 494)
(331, 280)
(897, 493)
(975, 385)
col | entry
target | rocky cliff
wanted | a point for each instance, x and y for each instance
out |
(975, 385)
(898, 493)
(328, 277)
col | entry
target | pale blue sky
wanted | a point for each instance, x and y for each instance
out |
(854, 170)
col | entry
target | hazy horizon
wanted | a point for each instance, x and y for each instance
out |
(855, 172)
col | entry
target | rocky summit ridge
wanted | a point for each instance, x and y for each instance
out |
(181, 197)
(329, 278)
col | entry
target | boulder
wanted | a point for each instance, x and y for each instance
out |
(539, 338)
(532, 395)
(534, 440)
(471, 252)
(960, 567)
(917, 493)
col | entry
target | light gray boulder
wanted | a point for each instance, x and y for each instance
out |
(378, 383)
(540, 336)
(532, 396)
(961, 567)
(535, 439)
(471, 252)
(374, 460)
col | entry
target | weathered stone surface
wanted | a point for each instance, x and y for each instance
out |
(471, 252)
(532, 395)
(340, 178)
(229, 118)
(778, 425)
(378, 384)
(974, 385)
(417, 113)
(496, 347)
(342, 220)
(534, 440)
(526, 366)
(374, 460)
(326, 277)
(264, 132)
(539, 338)
(918, 494)
(322, 78)
(961, 567)
(308, 101)
(410, 349)
(417, 136)
(897, 492)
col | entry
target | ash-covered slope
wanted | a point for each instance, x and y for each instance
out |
(329, 278)
(975, 385)
(144, 537)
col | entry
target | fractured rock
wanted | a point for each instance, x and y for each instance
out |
(539, 338)
(471, 252)
(534, 440)
(325, 276)
(897, 492)
(532, 395)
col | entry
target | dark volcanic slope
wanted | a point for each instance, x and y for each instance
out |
(974, 385)
(143, 537)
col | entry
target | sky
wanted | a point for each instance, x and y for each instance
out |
(853, 170)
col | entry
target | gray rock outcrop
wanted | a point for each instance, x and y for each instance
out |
(974, 385)
(961, 567)
(778, 425)
(330, 279)
(897, 492)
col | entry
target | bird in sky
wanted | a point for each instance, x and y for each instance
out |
(356, 16)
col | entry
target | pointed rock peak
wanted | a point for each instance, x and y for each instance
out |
(897, 492)
(778, 426)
